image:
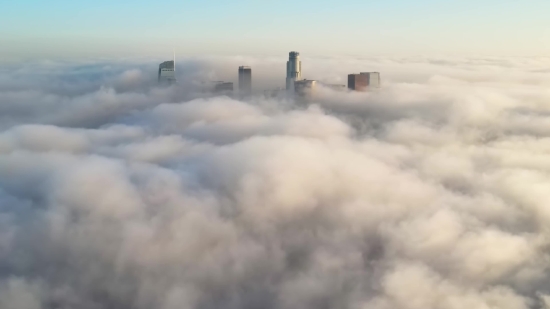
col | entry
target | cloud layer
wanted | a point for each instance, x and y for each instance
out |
(433, 192)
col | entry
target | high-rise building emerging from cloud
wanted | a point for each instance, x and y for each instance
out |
(223, 87)
(245, 80)
(167, 72)
(305, 88)
(357, 82)
(373, 79)
(364, 81)
(293, 70)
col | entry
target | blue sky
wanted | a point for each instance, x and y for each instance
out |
(322, 27)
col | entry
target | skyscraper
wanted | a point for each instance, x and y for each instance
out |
(167, 71)
(224, 87)
(245, 80)
(373, 79)
(357, 82)
(293, 70)
(305, 88)
(364, 81)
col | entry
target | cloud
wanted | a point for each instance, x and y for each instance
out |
(429, 193)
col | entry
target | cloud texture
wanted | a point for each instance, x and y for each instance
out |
(433, 192)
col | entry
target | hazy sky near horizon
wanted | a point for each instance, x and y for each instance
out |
(61, 28)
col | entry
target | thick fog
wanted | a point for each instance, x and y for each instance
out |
(431, 193)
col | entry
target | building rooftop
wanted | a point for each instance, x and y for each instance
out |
(167, 64)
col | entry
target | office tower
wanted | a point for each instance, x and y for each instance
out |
(357, 82)
(305, 88)
(223, 87)
(373, 80)
(167, 71)
(364, 81)
(245, 80)
(293, 70)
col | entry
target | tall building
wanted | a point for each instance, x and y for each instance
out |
(245, 80)
(364, 81)
(305, 88)
(167, 72)
(293, 70)
(373, 79)
(357, 82)
(224, 87)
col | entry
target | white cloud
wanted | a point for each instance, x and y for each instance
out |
(429, 193)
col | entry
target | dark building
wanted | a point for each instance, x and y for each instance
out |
(363, 81)
(223, 87)
(245, 80)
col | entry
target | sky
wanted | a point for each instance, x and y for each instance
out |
(105, 28)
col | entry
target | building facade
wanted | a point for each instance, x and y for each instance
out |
(364, 81)
(357, 82)
(293, 70)
(167, 72)
(223, 87)
(305, 88)
(245, 80)
(373, 79)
